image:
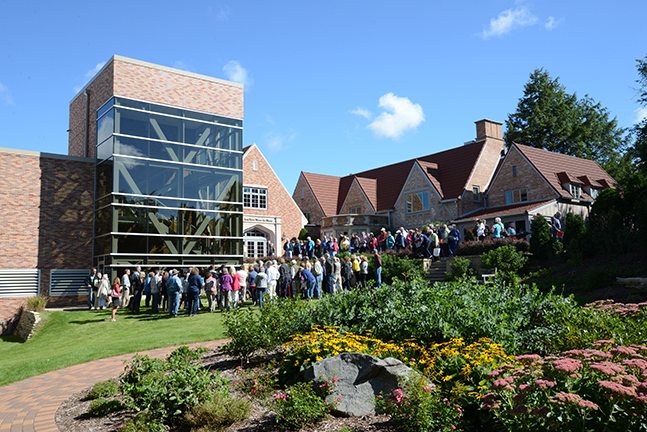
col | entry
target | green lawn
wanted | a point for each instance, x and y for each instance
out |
(66, 338)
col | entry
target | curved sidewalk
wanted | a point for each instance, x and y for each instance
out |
(31, 404)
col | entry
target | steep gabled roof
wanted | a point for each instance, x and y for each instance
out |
(559, 168)
(448, 171)
(325, 189)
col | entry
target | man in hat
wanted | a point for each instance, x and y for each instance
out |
(174, 287)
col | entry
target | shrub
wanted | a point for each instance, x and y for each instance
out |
(593, 389)
(217, 413)
(144, 422)
(541, 242)
(507, 261)
(103, 407)
(574, 233)
(167, 389)
(300, 406)
(104, 389)
(398, 265)
(37, 303)
(479, 247)
(461, 267)
(417, 407)
(257, 383)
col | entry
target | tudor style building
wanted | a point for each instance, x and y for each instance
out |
(533, 181)
(439, 187)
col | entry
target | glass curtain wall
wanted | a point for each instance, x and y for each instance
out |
(168, 186)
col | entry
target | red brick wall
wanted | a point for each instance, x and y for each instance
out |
(279, 201)
(46, 202)
(307, 202)
(527, 177)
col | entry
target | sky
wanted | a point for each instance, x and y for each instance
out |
(334, 87)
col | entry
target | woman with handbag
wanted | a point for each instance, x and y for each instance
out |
(115, 293)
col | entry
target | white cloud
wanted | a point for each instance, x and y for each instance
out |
(181, 64)
(235, 72)
(276, 142)
(509, 20)
(552, 22)
(399, 115)
(362, 112)
(640, 114)
(89, 74)
(5, 95)
(224, 12)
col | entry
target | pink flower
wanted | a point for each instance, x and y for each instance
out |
(635, 362)
(525, 387)
(567, 365)
(622, 350)
(587, 404)
(545, 384)
(540, 412)
(607, 367)
(528, 358)
(603, 342)
(617, 388)
(564, 397)
(501, 383)
(518, 397)
(518, 410)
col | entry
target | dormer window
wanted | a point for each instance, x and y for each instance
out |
(576, 190)
(595, 192)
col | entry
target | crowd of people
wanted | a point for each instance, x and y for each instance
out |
(309, 269)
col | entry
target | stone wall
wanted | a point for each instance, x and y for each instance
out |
(356, 198)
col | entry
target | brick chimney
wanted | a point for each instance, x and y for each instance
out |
(488, 129)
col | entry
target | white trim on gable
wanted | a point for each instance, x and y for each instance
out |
(304, 220)
(363, 193)
(417, 166)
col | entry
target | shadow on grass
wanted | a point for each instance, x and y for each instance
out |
(11, 338)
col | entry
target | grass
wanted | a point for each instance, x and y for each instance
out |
(67, 338)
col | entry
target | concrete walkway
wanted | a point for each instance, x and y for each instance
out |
(31, 405)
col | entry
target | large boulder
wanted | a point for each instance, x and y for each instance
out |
(360, 378)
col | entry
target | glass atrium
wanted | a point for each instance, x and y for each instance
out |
(168, 187)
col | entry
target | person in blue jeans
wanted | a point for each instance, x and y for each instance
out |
(310, 282)
(89, 283)
(377, 264)
(261, 285)
(174, 287)
(193, 292)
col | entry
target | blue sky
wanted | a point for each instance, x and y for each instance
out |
(330, 87)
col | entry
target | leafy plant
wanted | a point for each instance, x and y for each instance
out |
(144, 422)
(257, 383)
(104, 389)
(574, 233)
(461, 268)
(168, 389)
(417, 407)
(102, 407)
(541, 242)
(599, 388)
(507, 261)
(37, 303)
(300, 406)
(479, 247)
(217, 413)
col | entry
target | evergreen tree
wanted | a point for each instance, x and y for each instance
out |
(541, 242)
(640, 130)
(548, 117)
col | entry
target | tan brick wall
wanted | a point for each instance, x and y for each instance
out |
(483, 173)
(354, 198)
(47, 215)
(307, 202)
(279, 202)
(527, 177)
(101, 89)
(153, 83)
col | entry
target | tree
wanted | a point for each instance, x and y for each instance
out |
(548, 117)
(640, 130)
(541, 242)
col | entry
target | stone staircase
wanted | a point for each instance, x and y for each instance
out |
(435, 270)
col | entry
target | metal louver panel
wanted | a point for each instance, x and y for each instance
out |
(19, 283)
(68, 282)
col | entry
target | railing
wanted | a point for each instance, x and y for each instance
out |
(354, 219)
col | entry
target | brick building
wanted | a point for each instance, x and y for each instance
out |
(270, 213)
(533, 181)
(438, 187)
(154, 177)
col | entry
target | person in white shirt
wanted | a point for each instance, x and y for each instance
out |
(272, 278)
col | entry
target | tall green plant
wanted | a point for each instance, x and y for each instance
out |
(541, 243)
(507, 261)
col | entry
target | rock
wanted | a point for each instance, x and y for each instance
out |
(26, 324)
(360, 378)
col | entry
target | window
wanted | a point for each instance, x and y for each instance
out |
(255, 165)
(476, 193)
(355, 210)
(514, 171)
(255, 198)
(417, 202)
(595, 192)
(515, 196)
(576, 191)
